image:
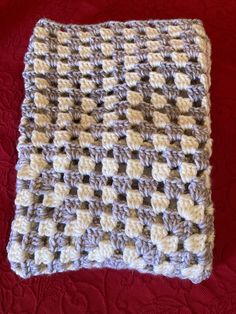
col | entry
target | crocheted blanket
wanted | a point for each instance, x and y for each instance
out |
(114, 150)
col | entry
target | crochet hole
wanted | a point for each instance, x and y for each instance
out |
(109, 181)
(19, 238)
(197, 103)
(120, 225)
(146, 231)
(85, 253)
(173, 204)
(186, 188)
(170, 80)
(193, 59)
(149, 118)
(182, 70)
(200, 122)
(150, 268)
(161, 187)
(122, 168)
(74, 138)
(188, 132)
(110, 93)
(147, 201)
(145, 79)
(86, 179)
(96, 220)
(110, 153)
(73, 191)
(74, 162)
(135, 184)
(147, 172)
(60, 227)
(57, 255)
(84, 205)
(134, 154)
(201, 145)
(62, 177)
(167, 58)
(183, 93)
(86, 152)
(200, 173)
(40, 199)
(108, 208)
(122, 197)
(98, 193)
(21, 211)
(133, 88)
(98, 167)
(195, 81)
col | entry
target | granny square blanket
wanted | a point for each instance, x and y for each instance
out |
(114, 149)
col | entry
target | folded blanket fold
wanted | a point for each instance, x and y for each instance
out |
(114, 149)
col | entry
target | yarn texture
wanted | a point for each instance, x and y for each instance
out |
(114, 149)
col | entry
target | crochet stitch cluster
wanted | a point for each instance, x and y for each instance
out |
(114, 150)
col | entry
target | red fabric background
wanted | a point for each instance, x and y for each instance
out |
(110, 291)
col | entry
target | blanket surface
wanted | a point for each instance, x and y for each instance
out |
(114, 150)
(109, 291)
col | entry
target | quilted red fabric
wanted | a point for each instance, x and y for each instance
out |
(110, 291)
